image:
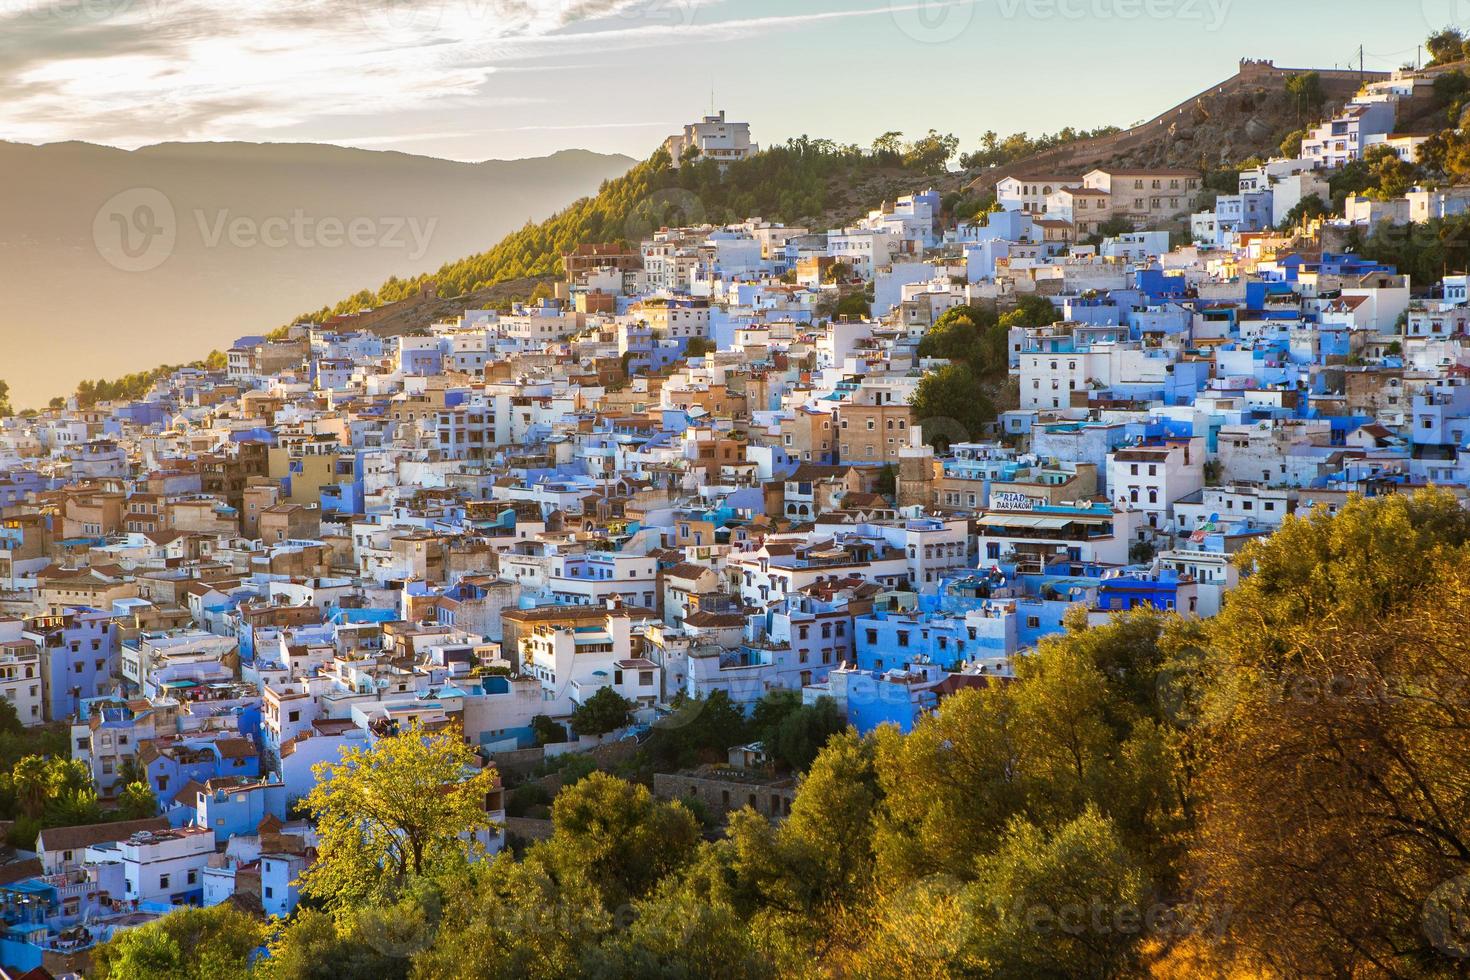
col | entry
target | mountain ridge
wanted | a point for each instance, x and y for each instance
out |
(216, 284)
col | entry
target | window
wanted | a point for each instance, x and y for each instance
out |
(903, 638)
(163, 881)
(1033, 622)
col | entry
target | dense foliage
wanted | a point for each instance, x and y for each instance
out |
(132, 387)
(42, 786)
(997, 151)
(951, 403)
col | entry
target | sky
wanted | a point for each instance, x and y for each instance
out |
(482, 79)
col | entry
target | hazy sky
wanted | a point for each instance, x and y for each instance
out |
(475, 79)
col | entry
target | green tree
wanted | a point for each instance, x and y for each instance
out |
(5, 408)
(1391, 176)
(802, 733)
(1306, 89)
(605, 711)
(950, 402)
(931, 154)
(888, 147)
(699, 347)
(819, 862)
(1335, 679)
(10, 723)
(192, 944)
(613, 835)
(548, 732)
(1067, 903)
(1450, 88)
(697, 730)
(773, 708)
(136, 802)
(1031, 311)
(41, 784)
(680, 932)
(508, 919)
(856, 306)
(1307, 209)
(393, 811)
(1445, 45)
(1291, 146)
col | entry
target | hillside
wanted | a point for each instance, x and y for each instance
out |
(820, 184)
(804, 181)
(258, 232)
(1246, 115)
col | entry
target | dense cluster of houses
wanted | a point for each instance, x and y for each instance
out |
(681, 475)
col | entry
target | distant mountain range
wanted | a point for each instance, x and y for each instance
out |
(113, 261)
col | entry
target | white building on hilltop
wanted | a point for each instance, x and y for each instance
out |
(715, 138)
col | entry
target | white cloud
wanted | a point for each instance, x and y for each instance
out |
(136, 71)
(130, 72)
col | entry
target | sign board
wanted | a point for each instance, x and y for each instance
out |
(1008, 500)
